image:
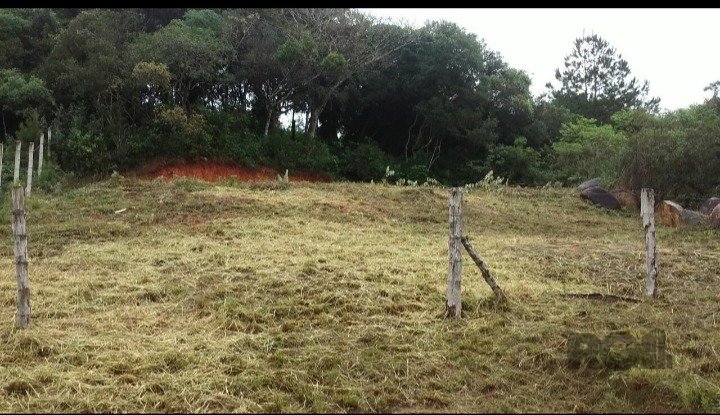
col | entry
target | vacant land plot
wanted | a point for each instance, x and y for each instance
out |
(330, 297)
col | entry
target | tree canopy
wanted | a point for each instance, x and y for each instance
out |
(336, 91)
(596, 81)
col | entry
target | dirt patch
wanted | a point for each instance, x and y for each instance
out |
(212, 171)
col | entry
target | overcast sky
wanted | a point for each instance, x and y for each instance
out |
(674, 49)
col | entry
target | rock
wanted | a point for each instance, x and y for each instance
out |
(673, 215)
(715, 217)
(710, 204)
(600, 197)
(589, 184)
(691, 217)
(628, 200)
(669, 213)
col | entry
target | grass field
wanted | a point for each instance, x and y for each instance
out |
(330, 298)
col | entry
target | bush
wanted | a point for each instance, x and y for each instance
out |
(233, 137)
(518, 163)
(52, 180)
(414, 169)
(304, 153)
(30, 130)
(678, 155)
(365, 161)
(184, 132)
(587, 150)
(79, 146)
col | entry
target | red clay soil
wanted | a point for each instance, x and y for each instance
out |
(213, 171)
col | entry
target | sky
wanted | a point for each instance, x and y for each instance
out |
(675, 50)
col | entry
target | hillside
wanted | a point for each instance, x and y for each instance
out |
(329, 297)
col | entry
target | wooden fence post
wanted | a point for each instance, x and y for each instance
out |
(647, 211)
(2, 153)
(40, 155)
(31, 151)
(453, 304)
(21, 256)
(16, 173)
(49, 138)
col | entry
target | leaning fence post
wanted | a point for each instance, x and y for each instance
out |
(16, 172)
(453, 304)
(484, 269)
(21, 256)
(30, 169)
(647, 211)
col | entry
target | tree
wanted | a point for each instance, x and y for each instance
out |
(26, 37)
(192, 50)
(342, 43)
(596, 82)
(19, 97)
(587, 150)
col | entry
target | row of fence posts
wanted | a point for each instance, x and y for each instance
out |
(453, 303)
(20, 240)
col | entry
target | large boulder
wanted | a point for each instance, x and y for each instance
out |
(710, 204)
(589, 184)
(628, 200)
(673, 215)
(715, 217)
(600, 197)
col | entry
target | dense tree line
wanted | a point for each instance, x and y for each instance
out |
(336, 91)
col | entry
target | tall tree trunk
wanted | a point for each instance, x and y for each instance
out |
(267, 122)
(292, 129)
(312, 128)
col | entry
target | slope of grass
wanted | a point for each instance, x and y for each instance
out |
(329, 298)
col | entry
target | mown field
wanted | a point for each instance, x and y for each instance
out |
(330, 298)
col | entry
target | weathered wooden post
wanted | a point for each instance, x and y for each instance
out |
(16, 173)
(453, 304)
(31, 151)
(40, 155)
(21, 256)
(647, 211)
(49, 138)
(484, 269)
(2, 153)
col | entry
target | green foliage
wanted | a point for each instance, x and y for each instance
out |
(596, 81)
(587, 150)
(26, 37)
(518, 163)
(183, 132)
(78, 144)
(52, 180)
(233, 137)
(304, 153)
(365, 161)
(21, 94)
(661, 150)
(334, 62)
(30, 128)
(126, 85)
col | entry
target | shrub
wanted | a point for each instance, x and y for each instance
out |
(365, 161)
(518, 163)
(303, 153)
(233, 137)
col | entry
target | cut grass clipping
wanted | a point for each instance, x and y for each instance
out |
(329, 298)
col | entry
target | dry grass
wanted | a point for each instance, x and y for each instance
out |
(329, 298)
